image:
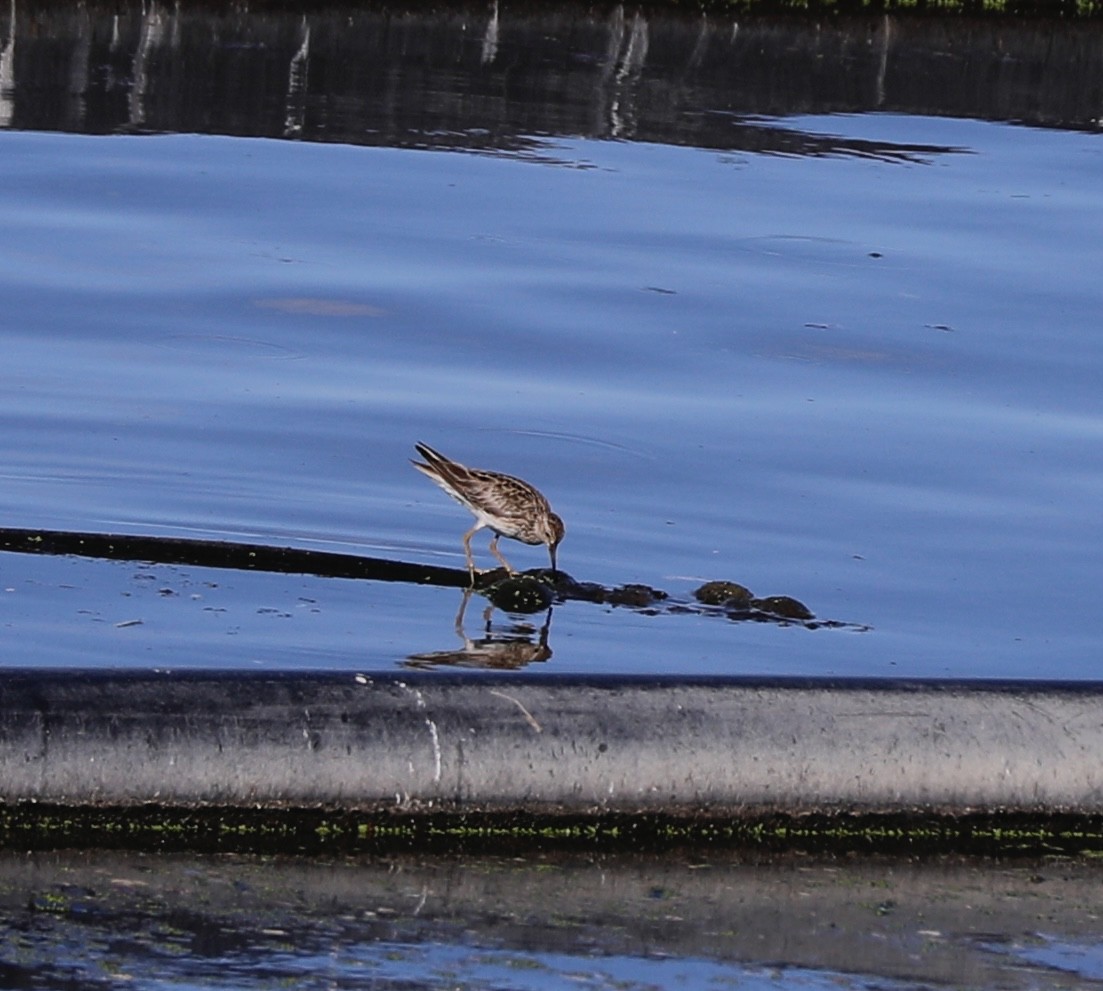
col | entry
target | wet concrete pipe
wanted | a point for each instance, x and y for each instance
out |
(571, 744)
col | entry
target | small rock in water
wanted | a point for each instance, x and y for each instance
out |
(634, 595)
(783, 605)
(587, 591)
(723, 594)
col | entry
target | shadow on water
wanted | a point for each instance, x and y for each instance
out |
(480, 78)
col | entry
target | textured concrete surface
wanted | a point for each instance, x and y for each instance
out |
(572, 744)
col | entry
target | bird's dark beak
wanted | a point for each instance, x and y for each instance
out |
(553, 548)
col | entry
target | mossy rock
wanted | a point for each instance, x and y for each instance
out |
(783, 605)
(721, 593)
(521, 594)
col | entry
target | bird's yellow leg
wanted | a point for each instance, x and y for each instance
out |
(498, 554)
(467, 550)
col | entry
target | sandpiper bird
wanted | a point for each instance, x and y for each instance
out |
(502, 503)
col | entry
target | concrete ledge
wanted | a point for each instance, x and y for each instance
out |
(547, 745)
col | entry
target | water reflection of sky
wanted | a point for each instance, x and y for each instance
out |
(869, 384)
(435, 965)
(1083, 960)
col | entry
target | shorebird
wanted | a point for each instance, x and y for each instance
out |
(501, 503)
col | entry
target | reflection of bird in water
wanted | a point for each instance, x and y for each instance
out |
(507, 653)
(502, 503)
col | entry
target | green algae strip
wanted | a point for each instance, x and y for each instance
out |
(153, 828)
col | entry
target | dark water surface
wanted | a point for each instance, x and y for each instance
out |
(847, 351)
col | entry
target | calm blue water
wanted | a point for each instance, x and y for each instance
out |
(401, 966)
(873, 385)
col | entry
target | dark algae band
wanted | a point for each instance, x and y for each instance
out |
(223, 829)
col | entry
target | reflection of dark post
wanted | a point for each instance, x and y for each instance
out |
(7, 72)
(79, 81)
(297, 84)
(882, 67)
(150, 39)
(624, 110)
(700, 46)
(602, 95)
(490, 37)
(636, 52)
(615, 110)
